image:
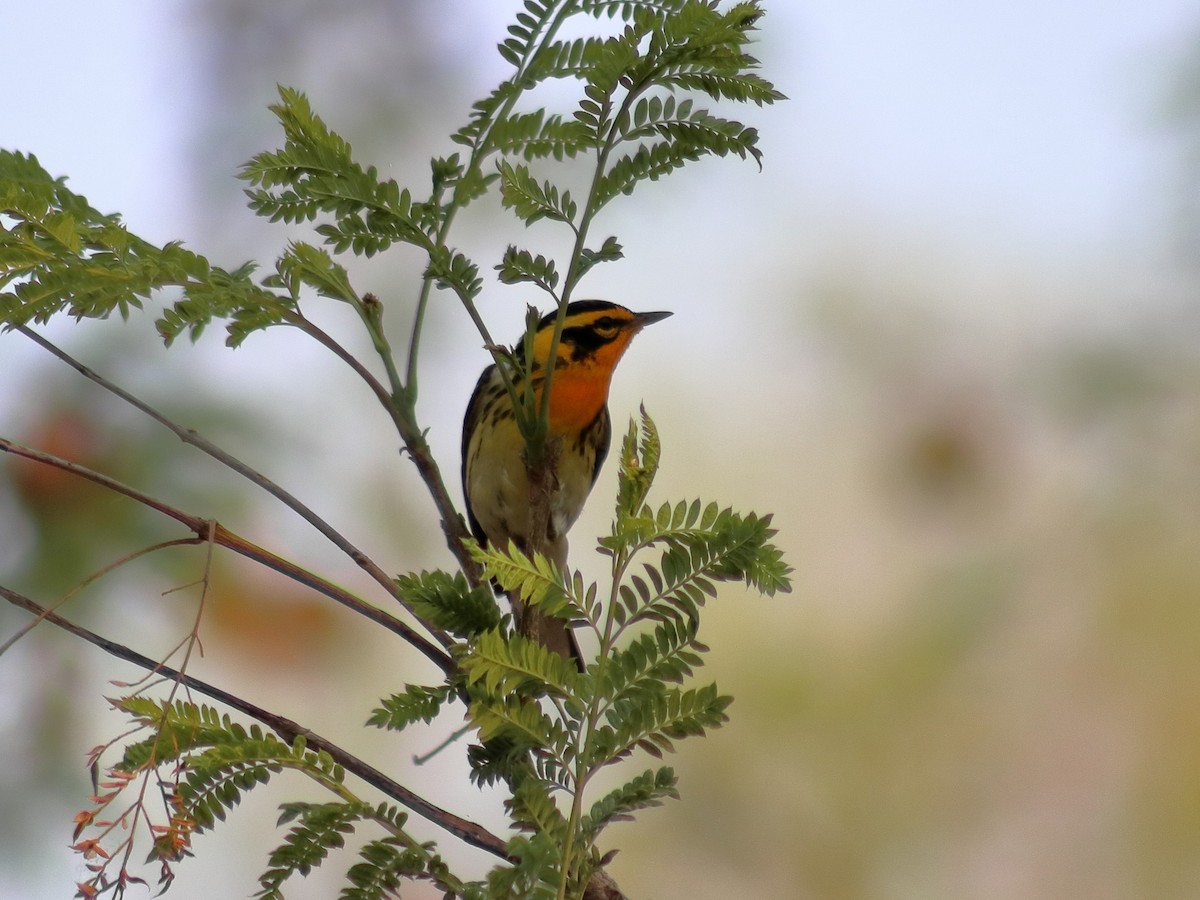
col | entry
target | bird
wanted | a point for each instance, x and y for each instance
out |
(595, 335)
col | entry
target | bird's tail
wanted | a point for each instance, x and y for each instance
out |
(552, 633)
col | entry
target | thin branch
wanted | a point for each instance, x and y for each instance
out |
(192, 641)
(190, 436)
(327, 341)
(404, 415)
(467, 831)
(226, 538)
(399, 407)
(453, 526)
(92, 579)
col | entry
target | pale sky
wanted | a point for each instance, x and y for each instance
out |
(1037, 116)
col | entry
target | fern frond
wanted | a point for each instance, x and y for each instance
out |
(388, 862)
(448, 602)
(521, 192)
(647, 790)
(522, 722)
(417, 704)
(514, 665)
(520, 266)
(649, 162)
(315, 173)
(536, 581)
(452, 270)
(532, 809)
(319, 828)
(653, 722)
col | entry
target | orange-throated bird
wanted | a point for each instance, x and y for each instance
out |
(595, 335)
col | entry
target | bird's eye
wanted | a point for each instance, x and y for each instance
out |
(606, 326)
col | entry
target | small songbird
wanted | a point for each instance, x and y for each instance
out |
(595, 335)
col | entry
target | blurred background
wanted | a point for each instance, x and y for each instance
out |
(947, 335)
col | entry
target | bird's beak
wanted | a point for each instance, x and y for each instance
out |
(641, 320)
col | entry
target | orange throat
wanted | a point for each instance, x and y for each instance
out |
(579, 390)
(577, 394)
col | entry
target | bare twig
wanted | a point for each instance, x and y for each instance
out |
(92, 579)
(467, 831)
(190, 436)
(226, 538)
(327, 341)
(400, 407)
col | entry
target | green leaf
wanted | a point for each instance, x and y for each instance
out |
(500, 759)
(511, 664)
(448, 602)
(60, 255)
(609, 251)
(387, 863)
(640, 453)
(647, 790)
(627, 9)
(536, 135)
(686, 127)
(533, 809)
(304, 264)
(417, 704)
(653, 722)
(537, 581)
(221, 295)
(534, 875)
(566, 59)
(746, 87)
(315, 172)
(451, 270)
(320, 827)
(645, 665)
(521, 192)
(648, 163)
(743, 550)
(484, 113)
(223, 759)
(519, 266)
(517, 720)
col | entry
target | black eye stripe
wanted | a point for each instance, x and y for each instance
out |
(584, 336)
